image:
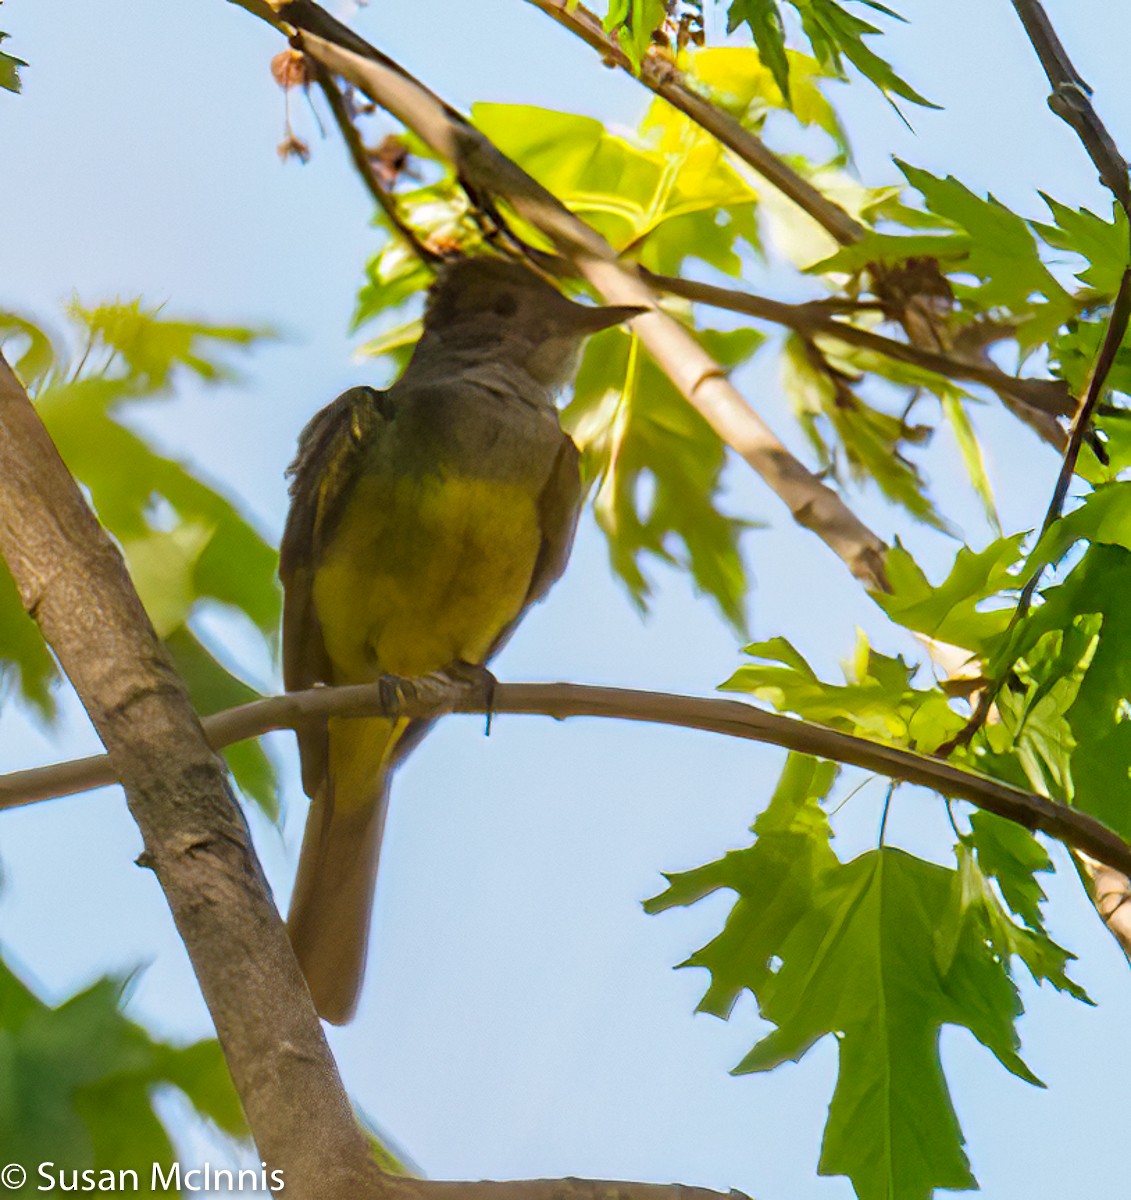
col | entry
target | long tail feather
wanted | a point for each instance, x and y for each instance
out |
(330, 909)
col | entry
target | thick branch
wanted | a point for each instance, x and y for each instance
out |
(698, 377)
(73, 581)
(662, 76)
(1110, 891)
(733, 718)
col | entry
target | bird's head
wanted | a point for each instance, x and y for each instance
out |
(504, 309)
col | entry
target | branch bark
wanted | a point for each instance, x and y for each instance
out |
(732, 718)
(73, 581)
(697, 376)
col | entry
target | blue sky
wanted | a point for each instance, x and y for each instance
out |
(521, 1015)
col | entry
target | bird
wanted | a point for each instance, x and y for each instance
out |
(424, 522)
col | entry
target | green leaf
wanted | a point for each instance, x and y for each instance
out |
(956, 611)
(77, 1081)
(633, 22)
(881, 952)
(979, 913)
(872, 441)
(1013, 857)
(201, 1073)
(972, 458)
(152, 347)
(39, 356)
(979, 238)
(657, 466)
(1104, 518)
(774, 881)
(743, 81)
(833, 31)
(1101, 244)
(1074, 349)
(214, 688)
(1099, 715)
(26, 665)
(662, 198)
(834, 34)
(864, 966)
(10, 69)
(764, 19)
(162, 566)
(1034, 733)
(877, 700)
(394, 275)
(185, 542)
(128, 482)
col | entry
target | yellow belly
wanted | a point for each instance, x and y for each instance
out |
(422, 572)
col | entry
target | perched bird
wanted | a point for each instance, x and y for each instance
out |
(424, 521)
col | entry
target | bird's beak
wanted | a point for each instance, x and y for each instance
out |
(594, 319)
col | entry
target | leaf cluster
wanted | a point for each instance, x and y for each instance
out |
(80, 1080)
(187, 545)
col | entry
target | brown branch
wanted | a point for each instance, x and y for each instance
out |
(660, 75)
(697, 376)
(732, 718)
(1110, 892)
(1071, 100)
(1045, 399)
(73, 581)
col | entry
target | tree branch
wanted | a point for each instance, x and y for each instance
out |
(73, 581)
(660, 75)
(697, 376)
(1071, 100)
(732, 718)
(1045, 399)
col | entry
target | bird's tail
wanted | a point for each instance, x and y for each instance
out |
(330, 909)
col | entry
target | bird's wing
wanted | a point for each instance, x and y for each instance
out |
(559, 506)
(330, 452)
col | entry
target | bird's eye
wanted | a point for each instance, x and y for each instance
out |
(506, 305)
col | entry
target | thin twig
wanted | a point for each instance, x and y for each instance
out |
(732, 718)
(1101, 368)
(363, 166)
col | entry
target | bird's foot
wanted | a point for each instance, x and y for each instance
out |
(475, 679)
(438, 691)
(395, 692)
